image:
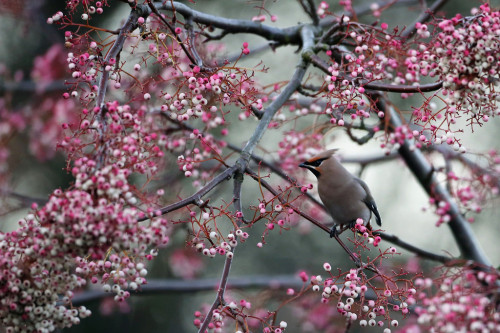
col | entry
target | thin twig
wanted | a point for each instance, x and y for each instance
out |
(426, 15)
(311, 219)
(449, 153)
(309, 8)
(412, 248)
(172, 30)
(27, 200)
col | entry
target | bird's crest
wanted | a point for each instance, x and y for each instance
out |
(314, 163)
(324, 155)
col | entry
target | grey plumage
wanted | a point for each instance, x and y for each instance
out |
(345, 196)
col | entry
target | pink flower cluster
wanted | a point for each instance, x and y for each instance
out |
(296, 147)
(96, 225)
(468, 61)
(33, 274)
(464, 54)
(459, 302)
(355, 300)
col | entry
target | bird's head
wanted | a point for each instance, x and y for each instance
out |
(314, 164)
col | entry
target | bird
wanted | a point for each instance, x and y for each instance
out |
(345, 196)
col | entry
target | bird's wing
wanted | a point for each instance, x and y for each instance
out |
(369, 201)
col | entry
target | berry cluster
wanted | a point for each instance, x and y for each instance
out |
(458, 302)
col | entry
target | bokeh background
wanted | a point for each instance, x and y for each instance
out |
(24, 35)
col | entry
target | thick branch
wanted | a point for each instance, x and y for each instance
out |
(307, 35)
(285, 36)
(424, 173)
(154, 287)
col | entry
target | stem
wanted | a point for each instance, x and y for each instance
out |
(219, 299)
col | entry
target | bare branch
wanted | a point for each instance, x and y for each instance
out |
(173, 286)
(33, 87)
(129, 26)
(177, 37)
(114, 52)
(419, 252)
(26, 200)
(219, 299)
(242, 163)
(309, 8)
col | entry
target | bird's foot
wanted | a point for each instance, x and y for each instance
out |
(352, 225)
(333, 231)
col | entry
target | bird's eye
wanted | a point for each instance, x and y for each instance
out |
(316, 163)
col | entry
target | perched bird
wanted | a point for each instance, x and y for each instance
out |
(345, 196)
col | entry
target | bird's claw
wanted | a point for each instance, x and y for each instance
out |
(352, 225)
(333, 231)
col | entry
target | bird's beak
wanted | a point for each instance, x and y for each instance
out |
(302, 165)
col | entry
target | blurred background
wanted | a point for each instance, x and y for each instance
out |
(24, 35)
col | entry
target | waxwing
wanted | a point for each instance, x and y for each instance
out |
(345, 196)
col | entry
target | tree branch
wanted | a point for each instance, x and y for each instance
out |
(242, 163)
(129, 26)
(285, 36)
(423, 18)
(174, 286)
(412, 248)
(307, 35)
(423, 172)
(397, 88)
(33, 86)
(196, 197)
(449, 153)
(219, 299)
